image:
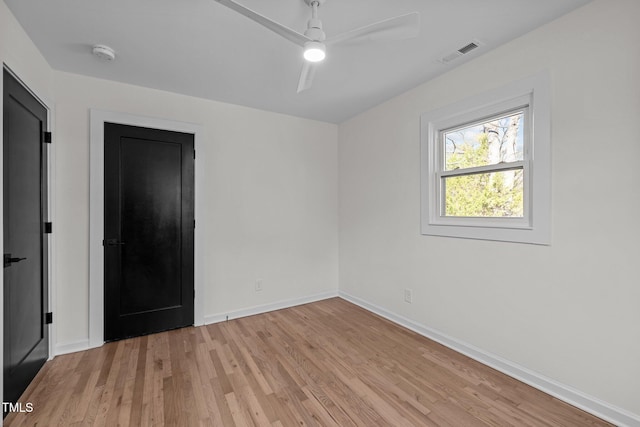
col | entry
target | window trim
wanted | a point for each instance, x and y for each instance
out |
(535, 226)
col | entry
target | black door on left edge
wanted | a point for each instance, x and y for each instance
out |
(148, 230)
(26, 337)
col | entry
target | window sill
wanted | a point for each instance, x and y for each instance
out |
(513, 234)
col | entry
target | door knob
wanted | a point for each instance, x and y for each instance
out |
(113, 242)
(8, 260)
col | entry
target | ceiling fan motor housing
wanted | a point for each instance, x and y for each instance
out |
(314, 30)
(314, 25)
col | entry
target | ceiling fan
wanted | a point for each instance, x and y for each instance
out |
(314, 40)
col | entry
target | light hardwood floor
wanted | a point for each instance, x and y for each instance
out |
(326, 363)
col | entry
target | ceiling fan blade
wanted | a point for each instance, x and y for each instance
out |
(398, 28)
(287, 33)
(306, 76)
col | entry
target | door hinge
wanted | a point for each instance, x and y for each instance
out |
(194, 154)
(48, 318)
(194, 223)
(48, 228)
(46, 137)
(194, 294)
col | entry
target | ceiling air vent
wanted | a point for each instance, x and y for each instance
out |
(462, 51)
(468, 48)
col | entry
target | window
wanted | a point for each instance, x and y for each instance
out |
(480, 177)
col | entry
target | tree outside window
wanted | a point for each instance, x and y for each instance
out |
(471, 193)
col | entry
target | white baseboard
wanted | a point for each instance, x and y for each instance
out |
(81, 345)
(279, 305)
(71, 347)
(595, 406)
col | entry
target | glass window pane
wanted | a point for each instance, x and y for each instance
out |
(485, 195)
(498, 140)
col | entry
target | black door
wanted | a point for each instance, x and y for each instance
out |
(26, 337)
(148, 230)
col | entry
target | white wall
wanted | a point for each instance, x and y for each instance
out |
(18, 52)
(568, 311)
(270, 198)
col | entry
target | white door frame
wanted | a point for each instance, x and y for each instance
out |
(96, 213)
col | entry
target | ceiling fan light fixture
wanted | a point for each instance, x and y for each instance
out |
(314, 51)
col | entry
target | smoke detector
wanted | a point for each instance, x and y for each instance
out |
(104, 52)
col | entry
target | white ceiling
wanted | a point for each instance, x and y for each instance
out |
(203, 49)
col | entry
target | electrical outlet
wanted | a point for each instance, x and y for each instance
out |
(258, 285)
(408, 295)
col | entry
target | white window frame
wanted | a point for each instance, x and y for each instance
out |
(532, 95)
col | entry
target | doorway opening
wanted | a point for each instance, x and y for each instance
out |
(96, 231)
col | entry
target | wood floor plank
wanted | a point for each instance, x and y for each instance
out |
(328, 363)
